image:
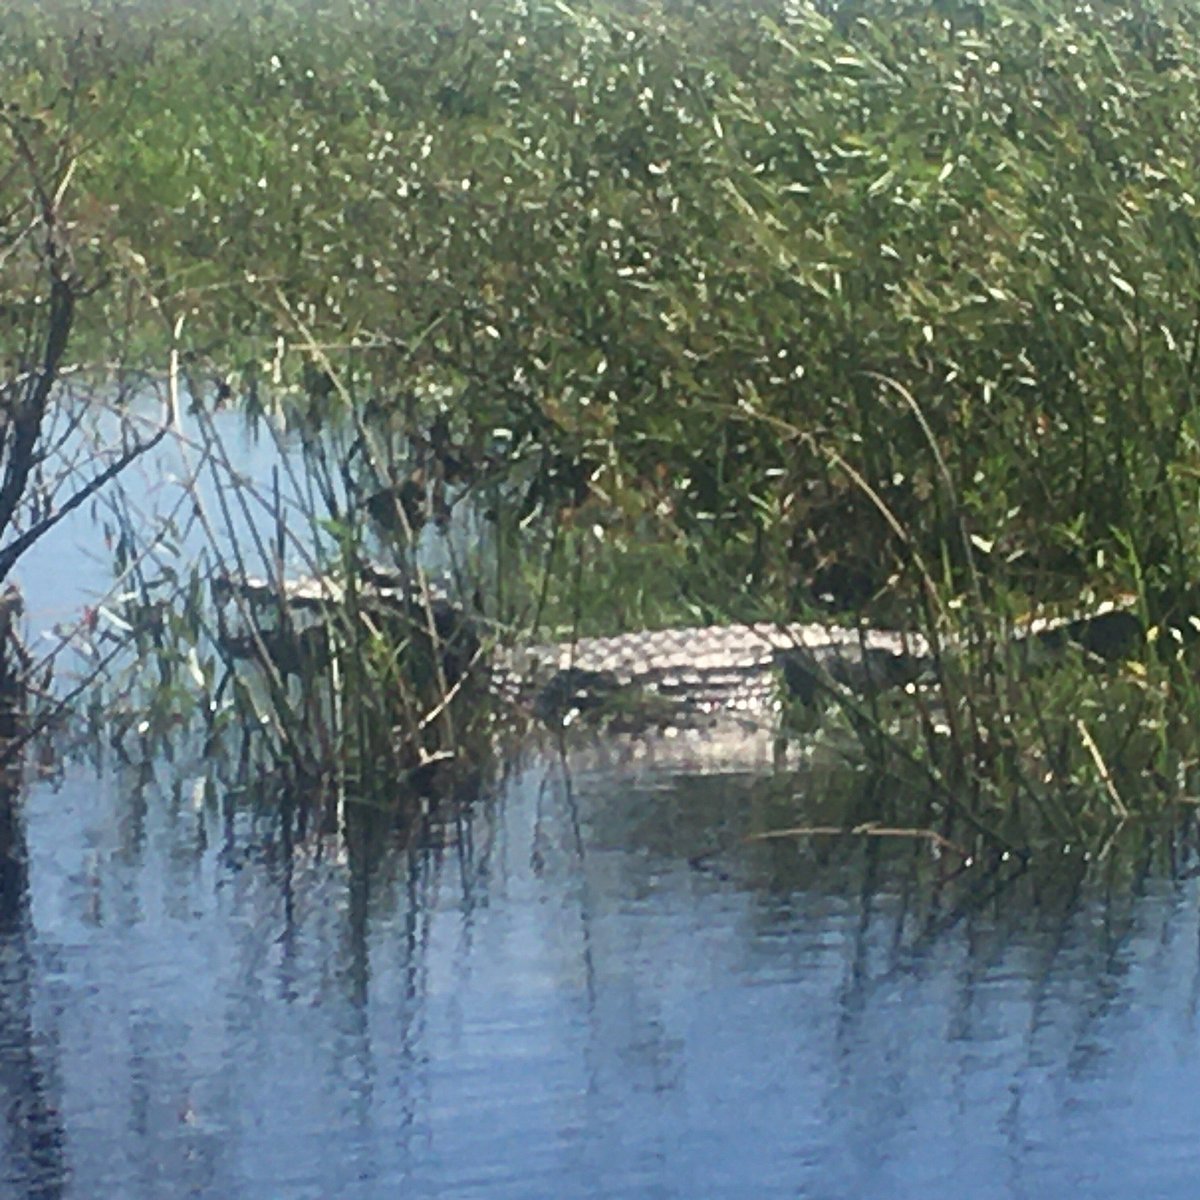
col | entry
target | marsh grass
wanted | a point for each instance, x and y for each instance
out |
(342, 694)
(701, 312)
(1012, 748)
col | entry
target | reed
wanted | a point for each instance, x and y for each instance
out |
(707, 312)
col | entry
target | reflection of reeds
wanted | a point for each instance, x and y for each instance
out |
(33, 1136)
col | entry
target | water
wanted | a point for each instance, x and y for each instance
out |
(555, 998)
(585, 984)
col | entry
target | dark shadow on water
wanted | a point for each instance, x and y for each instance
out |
(33, 1131)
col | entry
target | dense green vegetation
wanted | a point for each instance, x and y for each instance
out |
(718, 310)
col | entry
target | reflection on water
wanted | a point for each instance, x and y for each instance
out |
(32, 1134)
(580, 987)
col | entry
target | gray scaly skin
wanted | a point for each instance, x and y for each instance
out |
(720, 668)
(717, 667)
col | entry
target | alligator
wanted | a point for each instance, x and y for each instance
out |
(706, 669)
(684, 672)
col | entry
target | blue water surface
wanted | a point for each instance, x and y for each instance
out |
(554, 1001)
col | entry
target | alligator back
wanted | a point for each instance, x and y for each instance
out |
(709, 667)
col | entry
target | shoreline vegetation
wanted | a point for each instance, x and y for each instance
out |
(686, 312)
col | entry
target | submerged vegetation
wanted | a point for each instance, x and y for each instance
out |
(630, 314)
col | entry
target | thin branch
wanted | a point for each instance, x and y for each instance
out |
(13, 551)
(865, 830)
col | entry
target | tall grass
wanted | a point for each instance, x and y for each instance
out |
(720, 311)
